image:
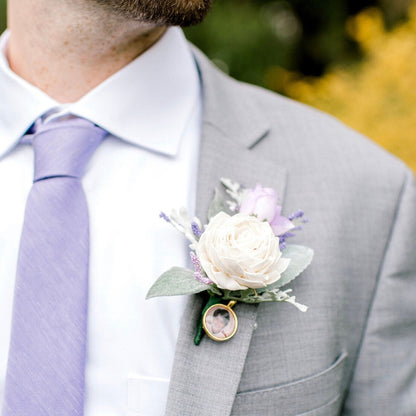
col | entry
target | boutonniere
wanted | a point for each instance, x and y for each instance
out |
(241, 255)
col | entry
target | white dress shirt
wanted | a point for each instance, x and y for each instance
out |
(152, 108)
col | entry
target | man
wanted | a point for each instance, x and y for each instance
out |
(352, 353)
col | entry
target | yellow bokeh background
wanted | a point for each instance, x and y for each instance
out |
(376, 96)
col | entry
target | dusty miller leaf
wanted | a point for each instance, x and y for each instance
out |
(217, 205)
(300, 258)
(176, 281)
(274, 295)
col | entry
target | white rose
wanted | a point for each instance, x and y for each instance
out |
(239, 252)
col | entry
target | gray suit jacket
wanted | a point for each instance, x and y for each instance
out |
(354, 351)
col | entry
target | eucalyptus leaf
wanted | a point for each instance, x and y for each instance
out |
(300, 258)
(176, 281)
(217, 205)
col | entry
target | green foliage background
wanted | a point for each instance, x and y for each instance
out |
(252, 39)
(2, 14)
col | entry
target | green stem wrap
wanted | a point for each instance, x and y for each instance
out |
(213, 300)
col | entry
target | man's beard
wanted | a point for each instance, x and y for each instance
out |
(160, 12)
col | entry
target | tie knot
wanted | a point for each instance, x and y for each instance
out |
(64, 147)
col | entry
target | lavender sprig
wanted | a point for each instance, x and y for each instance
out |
(196, 230)
(183, 222)
(164, 216)
(298, 214)
(199, 273)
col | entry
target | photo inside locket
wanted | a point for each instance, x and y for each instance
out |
(219, 322)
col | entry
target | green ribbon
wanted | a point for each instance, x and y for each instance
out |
(213, 300)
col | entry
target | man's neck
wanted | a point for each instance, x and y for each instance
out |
(66, 48)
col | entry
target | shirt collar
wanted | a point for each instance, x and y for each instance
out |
(147, 103)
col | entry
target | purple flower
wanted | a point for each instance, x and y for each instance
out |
(262, 202)
(280, 224)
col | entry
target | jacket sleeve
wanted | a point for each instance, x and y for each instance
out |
(384, 378)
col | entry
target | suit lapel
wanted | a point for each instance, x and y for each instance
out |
(205, 378)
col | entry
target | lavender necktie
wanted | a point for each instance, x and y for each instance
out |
(46, 367)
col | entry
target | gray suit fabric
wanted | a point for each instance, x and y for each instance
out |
(354, 351)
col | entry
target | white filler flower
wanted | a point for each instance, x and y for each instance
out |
(239, 252)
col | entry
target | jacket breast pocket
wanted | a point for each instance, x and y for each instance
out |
(317, 395)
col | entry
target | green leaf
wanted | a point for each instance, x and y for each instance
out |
(214, 290)
(300, 258)
(217, 205)
(176, 281)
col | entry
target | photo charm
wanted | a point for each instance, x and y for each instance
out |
(241, 255)
(220, 321)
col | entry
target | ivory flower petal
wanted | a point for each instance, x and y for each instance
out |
(240, 252)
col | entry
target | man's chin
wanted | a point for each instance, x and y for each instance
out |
(160, 12)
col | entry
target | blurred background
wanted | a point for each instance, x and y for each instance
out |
(355, 59)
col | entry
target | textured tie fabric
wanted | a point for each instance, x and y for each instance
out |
(46, 366)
